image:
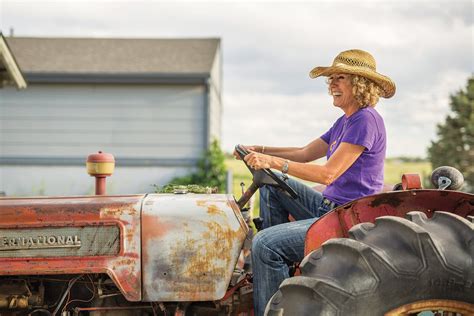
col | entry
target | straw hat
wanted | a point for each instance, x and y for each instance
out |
(357, 62)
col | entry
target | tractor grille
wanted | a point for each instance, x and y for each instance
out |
(59, 241)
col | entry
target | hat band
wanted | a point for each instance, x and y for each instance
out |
(340, 61)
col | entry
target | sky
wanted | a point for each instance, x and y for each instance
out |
(269, 47)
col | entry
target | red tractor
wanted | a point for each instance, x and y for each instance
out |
(178, 254)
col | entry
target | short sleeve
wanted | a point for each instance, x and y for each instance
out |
(327, 136)
(361, 130)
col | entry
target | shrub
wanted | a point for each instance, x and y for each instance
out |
(211, 171)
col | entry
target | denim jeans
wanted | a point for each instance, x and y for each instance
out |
(281, 242)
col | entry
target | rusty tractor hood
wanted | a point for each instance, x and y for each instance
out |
(154, 247)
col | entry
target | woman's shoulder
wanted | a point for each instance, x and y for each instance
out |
(340, 121)
(367, 113)
(368, 119)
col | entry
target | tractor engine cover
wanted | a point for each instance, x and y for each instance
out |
(73, 235)
(190, 246)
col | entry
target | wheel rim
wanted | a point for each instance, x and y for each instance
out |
(433, 305)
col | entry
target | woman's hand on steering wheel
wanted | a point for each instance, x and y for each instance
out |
(254, 158)
(258, 161)
(252, 148)
(264, 175)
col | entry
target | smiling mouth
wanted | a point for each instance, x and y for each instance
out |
(336, 94)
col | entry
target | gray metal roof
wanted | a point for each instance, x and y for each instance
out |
(110, 56)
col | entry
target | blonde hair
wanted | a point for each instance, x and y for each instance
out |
(365, 91)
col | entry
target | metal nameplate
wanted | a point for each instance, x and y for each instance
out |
(40, 242)
(63, 241)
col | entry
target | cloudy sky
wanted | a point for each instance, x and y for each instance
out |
(269, 47)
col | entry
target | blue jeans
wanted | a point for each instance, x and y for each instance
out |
(281, 242)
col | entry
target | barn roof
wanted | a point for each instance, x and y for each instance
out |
(42, 58)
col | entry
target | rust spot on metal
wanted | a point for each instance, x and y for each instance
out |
(125, 266)
(129, 235)
(201, 203)
(354, 218)
(133, 255)
(386, 199)
(342, 223)
(66, 209)
(118, 211)
(214, 210)
(199, 272)
(153, 227)
(125, 262)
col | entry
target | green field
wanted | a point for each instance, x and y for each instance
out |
(394, 168)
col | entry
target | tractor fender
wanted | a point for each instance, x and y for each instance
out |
(336, 224)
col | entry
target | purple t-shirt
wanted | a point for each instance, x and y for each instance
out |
(365, 176)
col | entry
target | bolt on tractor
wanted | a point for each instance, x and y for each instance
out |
(394, 253)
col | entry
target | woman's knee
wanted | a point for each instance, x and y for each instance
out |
(262, 245)
(258, 244)
(267, 245)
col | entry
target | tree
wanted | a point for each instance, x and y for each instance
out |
(455, 144)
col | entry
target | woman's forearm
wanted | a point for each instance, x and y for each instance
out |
(327, 173)
(309, 172)
(314, 150)
(290, 153)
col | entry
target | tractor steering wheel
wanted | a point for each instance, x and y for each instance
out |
(265, 176)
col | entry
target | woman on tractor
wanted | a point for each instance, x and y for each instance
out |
(355, 151)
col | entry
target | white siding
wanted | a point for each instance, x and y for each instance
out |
(74, 180)
(215, 105)
(130, 121)
(215, 116)
(71, 121)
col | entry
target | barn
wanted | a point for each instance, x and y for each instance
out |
(155, 104)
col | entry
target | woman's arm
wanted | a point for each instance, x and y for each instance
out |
(344, 156)
(314, 150)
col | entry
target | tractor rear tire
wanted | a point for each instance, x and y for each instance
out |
(384, 266)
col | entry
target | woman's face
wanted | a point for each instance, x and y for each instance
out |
(340, 87)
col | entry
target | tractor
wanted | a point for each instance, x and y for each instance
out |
(184, 254)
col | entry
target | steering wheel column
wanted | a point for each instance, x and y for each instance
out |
(260, 178)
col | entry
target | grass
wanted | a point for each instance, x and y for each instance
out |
(241, 175)
(394, 169)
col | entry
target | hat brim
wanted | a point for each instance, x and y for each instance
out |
(387, 85)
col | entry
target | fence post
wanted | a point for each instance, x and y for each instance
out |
(229, 180)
